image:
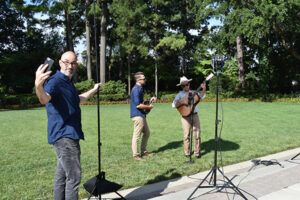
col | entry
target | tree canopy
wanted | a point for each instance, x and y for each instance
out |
(166, 39)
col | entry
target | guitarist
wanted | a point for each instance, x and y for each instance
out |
(186, 121)
(139, 118)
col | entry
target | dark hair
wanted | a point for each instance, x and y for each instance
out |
(138, 75)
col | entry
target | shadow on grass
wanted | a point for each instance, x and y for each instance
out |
(171, 145)
(153, 190)
(225, 145)
(206, 146)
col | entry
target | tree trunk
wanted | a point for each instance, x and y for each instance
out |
(185, 33)
(103, 41)
(156, 72)
(241, 68)
(156, 57)
(109, 63)
(69, 37)
(129, 74)
(88, 43)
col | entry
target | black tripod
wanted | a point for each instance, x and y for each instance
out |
(213, 171)
(99, 185)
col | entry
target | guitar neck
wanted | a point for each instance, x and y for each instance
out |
(204, 82)
(152, 99)
(199, 88)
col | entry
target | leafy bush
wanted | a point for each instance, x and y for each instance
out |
(113, 91)
(251, 81)
(84, 86)
(112, 97)
(113, 87)
(22, 100)
(2, 100)
(168, 97)
(225, 84)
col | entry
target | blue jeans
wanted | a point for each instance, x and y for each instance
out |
(68, 169)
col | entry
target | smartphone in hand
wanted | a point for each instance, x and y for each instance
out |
(50, 62)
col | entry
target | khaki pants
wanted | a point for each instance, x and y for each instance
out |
(186, 126)
(139, 125)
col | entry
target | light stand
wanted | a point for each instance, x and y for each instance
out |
(217, 64)
(294, 84)
(99, 185)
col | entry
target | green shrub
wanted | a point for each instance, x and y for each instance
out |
(21, 99)
(168, 97)
(112, 97)
(2, 100)
(113, 91)
(31, 99)
(12, 100)
(84, 86)
(225, 84)
(113, 87)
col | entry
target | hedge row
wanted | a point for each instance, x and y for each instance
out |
(115, 92)
(30, 100)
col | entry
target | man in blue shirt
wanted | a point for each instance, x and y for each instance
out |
(64, 122)
(138, 117)
(187, 121)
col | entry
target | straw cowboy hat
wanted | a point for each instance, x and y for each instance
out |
(184, 80)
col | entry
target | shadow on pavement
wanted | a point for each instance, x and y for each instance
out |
(141, 192)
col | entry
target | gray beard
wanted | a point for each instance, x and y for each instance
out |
(67, 73)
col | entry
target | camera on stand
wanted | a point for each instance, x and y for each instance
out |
(217, 62)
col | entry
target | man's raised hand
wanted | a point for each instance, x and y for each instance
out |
(97, 86)
(40, 76)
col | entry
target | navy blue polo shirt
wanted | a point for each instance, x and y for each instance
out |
(136, 98)
(63, 111)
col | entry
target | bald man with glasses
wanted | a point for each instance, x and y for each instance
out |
(62, 101)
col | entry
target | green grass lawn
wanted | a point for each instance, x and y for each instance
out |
(27, 161)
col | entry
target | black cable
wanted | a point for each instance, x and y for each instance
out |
(267, 162)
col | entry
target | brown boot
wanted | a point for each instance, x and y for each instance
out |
(138, 158)
(148, 154)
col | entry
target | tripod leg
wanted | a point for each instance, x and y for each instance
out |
(93, 190)
(200, 184)
(120, 195)
(233, 186)
(295, 156)
(226, 185)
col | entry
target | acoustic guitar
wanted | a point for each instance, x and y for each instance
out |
(193, 98)
(148, 102)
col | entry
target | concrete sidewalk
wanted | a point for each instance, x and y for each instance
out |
(274, 182)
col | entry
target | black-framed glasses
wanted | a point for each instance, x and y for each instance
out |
(68, 64)
(142, 79)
